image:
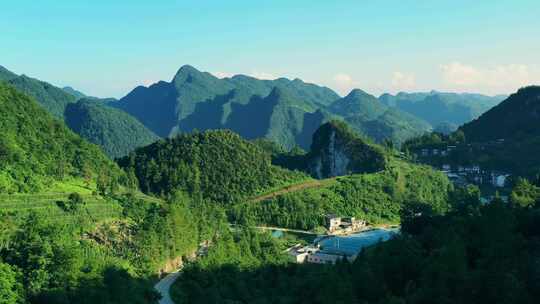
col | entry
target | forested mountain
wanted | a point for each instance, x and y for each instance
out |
(517, 117)
(197, 100)
(367, 115)
(117, 132)
(218, 165)
(52, 98)
(442, 108)
(5, 74)
(36, 149)
(286, 111)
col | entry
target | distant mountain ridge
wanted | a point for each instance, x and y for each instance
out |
(368, 116)
(117, 132)
(74, 92)
(283, 110)
(442, 110)
(172, 102)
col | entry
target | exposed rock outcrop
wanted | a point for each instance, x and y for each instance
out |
(337, 151)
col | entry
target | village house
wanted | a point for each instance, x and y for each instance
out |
(343, 225)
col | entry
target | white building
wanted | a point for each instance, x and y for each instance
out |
(343, 225)
(323, 257)
(499, 180)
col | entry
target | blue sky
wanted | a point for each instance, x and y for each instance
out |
(106, 48)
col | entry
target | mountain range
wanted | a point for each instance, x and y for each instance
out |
(285, 111)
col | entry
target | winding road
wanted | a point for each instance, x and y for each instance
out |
(164, 286)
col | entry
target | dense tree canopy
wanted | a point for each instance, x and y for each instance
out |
(35, 148)
(117, 132)
(218, 165)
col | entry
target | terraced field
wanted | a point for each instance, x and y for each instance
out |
(95, 207)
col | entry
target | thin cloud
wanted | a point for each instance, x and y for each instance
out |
(255, 74)
(491, 80)
(222, 74)
(403, 81)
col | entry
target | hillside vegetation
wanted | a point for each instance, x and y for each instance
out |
(375, 197)
(73, 226)
(117, 132)
(516, 118)
(36, 149)
(372, 183)
(218, 165)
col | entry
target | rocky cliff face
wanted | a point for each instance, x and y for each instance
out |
(332, 161)
(337, 151)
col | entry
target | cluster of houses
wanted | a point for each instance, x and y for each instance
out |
(474, 174)
(445, 151)
(437, 151)
(463, 175)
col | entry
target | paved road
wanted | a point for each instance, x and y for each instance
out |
(164, 286)
(285, 230)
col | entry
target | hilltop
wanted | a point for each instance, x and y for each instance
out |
(219, 166)
(370, 117)
(517, 117)
(117, 132)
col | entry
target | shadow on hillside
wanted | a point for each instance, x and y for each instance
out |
(114, 286)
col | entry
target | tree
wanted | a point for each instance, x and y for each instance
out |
(75, 201)
(466, 200)
(10, 287)
(524, 194)
(102, 184)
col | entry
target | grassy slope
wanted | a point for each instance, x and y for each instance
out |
(375, 197)
(47, 203)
